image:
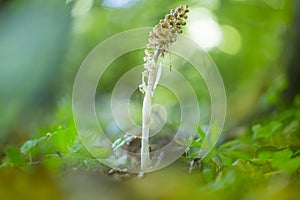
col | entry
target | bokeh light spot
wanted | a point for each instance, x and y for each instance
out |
(203, 29)
(231, 42)
(118, 3)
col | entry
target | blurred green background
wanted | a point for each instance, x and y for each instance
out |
(254, 43)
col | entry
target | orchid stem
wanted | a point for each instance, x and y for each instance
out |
(147, 103)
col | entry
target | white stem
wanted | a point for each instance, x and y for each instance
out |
(145, 157)
(157, 78)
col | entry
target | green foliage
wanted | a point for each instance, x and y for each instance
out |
(15, 158)
(268, 147)
(264, 157)
(55, 147)
(29, 144)
(268, 150)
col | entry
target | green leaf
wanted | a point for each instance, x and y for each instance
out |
(121, 141)
(208, 174)
(225, 160)
(289, 165)
(200, 133)
(266, 131)
(229, 144)
(15, 157)
(282, 160)
(196, 143)
(265, 155)
(239, 154)
(266, 152)
(100, 152)
(62, 139)
(29, 144)
(211, 155)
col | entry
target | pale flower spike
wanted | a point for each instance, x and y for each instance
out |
(161, 37)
